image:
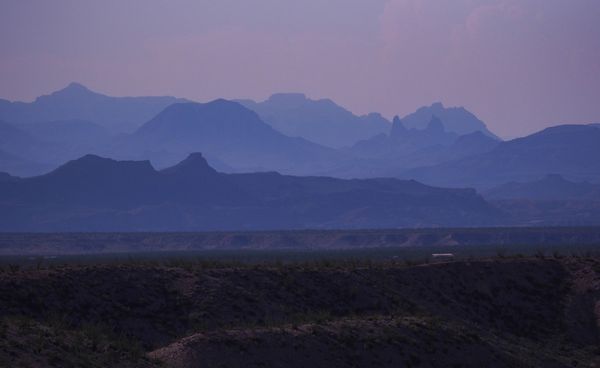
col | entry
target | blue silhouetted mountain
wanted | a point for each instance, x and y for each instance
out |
(15, 165)
(398, 128)
(71, 132)
(194, 166)
(470, 144)
(91, 181)
(6, 177)
(433, 134)
(194, 181)
(12, 137)
(569, 150)
(319, 121)
(45, 145)
(94, 193)
(402, 141)
(76, 102)
(550, 188)
(231, 133)
(19, 152)
(391, 155)
(551, 200)
(455, 119)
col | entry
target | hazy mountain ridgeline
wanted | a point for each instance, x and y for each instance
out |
(419, 146)
(375, 148)
(76, 102)
(552, 200)
(389, 155)
(402, 141)
(40, 135)
(320, 121)
(239, 138)
(95, 193)
(569, 150)
(550, 187)
(435, 145)
(71, 132)
(456, 119)
(21, 167)
(34, 148)
(324, 122)
(75, 121)
(14, 139)
(230, 132)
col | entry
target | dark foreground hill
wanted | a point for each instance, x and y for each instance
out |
(492, 313)
(98, 194)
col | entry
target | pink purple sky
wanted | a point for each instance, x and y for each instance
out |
(520, 65)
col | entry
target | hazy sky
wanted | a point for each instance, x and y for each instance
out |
(520, 65)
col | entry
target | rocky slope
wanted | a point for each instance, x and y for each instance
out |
(502, 312)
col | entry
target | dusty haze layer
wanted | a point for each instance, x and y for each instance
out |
(519, 65)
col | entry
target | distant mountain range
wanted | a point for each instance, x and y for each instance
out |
(320, 121)
(552, 187)
(230, 132)
(551, 200)
(71, 132)
(294, 135)
(304, 136)
(326, 123)
(390, 155)
(13, 138)
(455, 119)
(98, 194)
(402, 141)
(418, 147)
(569, 150)
(20, 166)
(76, 102)
(30, 149)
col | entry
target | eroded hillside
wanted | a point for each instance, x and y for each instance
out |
(497, 312)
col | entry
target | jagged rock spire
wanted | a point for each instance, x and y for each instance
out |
(398, 129)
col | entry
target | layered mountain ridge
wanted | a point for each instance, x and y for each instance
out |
(439, 146)
(456, 119)
(95, 193)
(569, 150)
(119, 114)
(231, 132)
(321, 121)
